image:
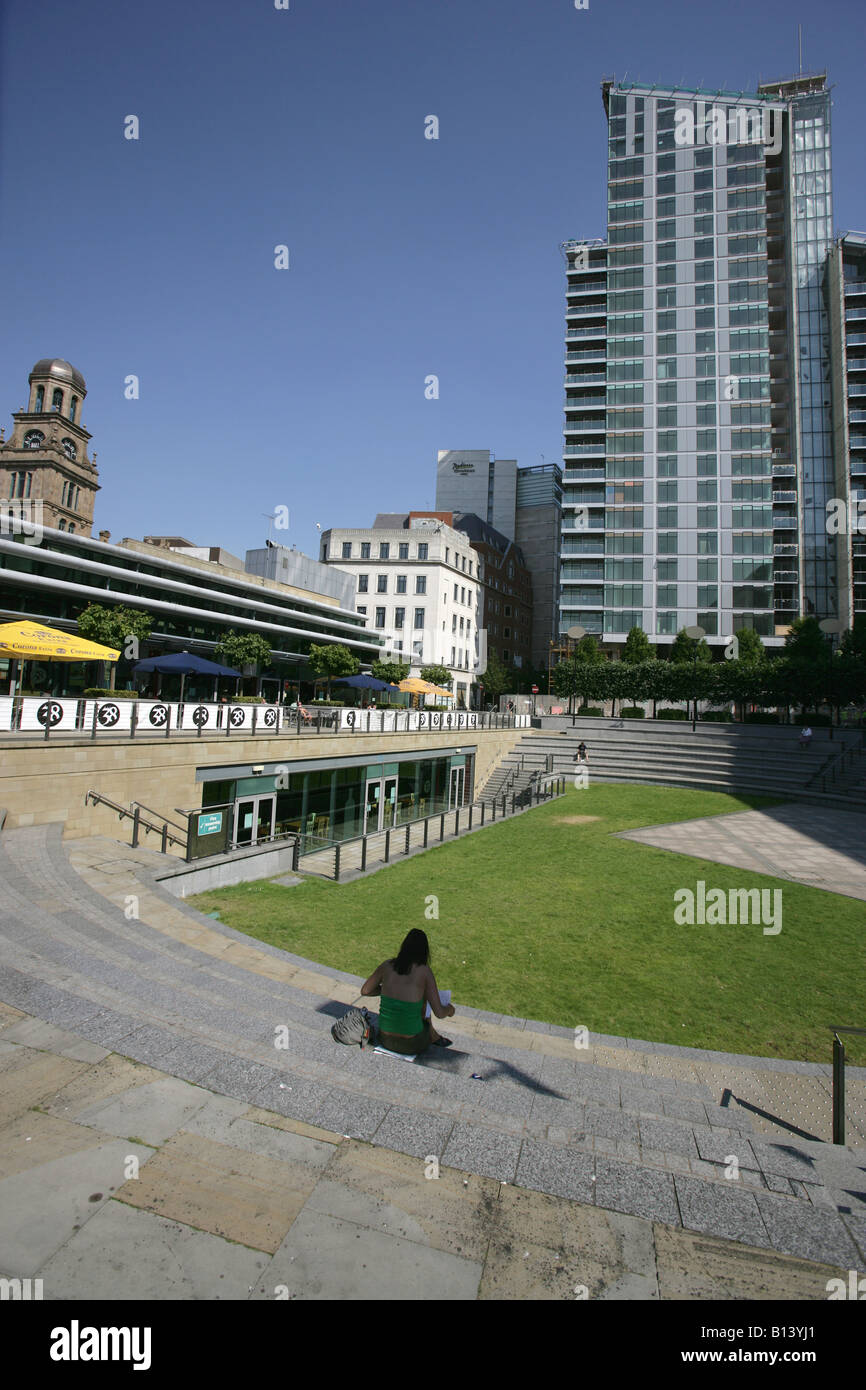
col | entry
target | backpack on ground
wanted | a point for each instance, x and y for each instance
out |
(356, 1026)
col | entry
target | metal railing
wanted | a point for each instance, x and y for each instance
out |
(836, 763)
(398, 839)
(139, 823)
(96, 717)
(839, 1081)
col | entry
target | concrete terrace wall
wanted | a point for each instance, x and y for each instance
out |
(47, 782)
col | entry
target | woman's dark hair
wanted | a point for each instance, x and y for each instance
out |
(414, 951)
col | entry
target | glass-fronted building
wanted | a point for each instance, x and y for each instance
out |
(330, 800)
(699, 451)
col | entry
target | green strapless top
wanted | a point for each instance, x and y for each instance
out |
(400, 1016)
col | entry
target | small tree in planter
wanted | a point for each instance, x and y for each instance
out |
(122, 629)
(437, 675)
(391, 671)
(333, 661)
(243, 649)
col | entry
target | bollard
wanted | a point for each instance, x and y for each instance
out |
(136, 817)
(838, 1092)
(165, 839)
(442, 828)
(296, 853)
(363, 853)
(387, 846)
(426, 828)
(470, 817)
(482, 812)
(408, 831)
(337, 862)
(457, 821)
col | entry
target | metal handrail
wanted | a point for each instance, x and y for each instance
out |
(137, 821)
(518, 801)
(839, 1080)
(159, 815)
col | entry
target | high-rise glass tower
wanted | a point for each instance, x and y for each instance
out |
(699, 454)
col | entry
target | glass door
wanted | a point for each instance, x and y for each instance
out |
(455, 790)
(389, 803)
(373, 812)
(254, 819)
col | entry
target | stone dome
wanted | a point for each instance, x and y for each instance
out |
(61, 370)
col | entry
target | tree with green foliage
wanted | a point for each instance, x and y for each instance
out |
(496, 679)
(637, 647)
(437, 675)
(122, 629)
(588, 650)
(805, 643)
(391, 671)
(686, 649)
(332, 661)
(240, 649)
(750, 648)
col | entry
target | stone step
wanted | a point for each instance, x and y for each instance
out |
(557, 1124)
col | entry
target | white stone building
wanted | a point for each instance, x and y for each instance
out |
(418, 586)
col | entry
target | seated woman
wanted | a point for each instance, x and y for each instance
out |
(404, 984)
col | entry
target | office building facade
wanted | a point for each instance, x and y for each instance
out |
(699, 453)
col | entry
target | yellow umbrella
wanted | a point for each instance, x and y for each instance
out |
(415, 686)
(33, 641)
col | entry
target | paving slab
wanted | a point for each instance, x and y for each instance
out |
(325, 1258)
(40, 1209)
(797, 1229)
(124, 1254)
(35, 1138)
(453, 1212)
(110, 1077)
(636, 1191)
(152, 1112)
(218, 1188)
(484, 1151)
(720, 1209)
(548, 1248)
(28, 1078)
(561, 1171)
(702, 1268)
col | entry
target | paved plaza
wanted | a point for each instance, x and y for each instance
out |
(806, 844)
(156, 1143)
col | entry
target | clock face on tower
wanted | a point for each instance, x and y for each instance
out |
(34, 439)
(69, 448)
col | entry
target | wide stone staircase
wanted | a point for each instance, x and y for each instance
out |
(754, 759)
(642, 1128)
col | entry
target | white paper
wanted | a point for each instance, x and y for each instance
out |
(444, 998)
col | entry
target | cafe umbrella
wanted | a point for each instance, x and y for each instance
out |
(28, 641)
(364, 683)
(183, 664)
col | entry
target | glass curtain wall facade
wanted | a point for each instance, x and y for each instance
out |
(695, 487)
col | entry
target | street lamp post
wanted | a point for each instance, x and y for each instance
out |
(696, 633)
(832, 627)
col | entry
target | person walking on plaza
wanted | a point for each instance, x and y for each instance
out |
(405, 983)
(581, 755)
(805, 737)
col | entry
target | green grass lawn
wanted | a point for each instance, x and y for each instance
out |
(561, 922)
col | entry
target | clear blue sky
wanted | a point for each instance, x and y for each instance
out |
(305, 388)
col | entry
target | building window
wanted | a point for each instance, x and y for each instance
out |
(401, 583)
(381, 584)
(73, 406)
(403, 551)
(455, 593)
(420, 584)
(61, 525)
(365, 550)
(380, 617)
(447, 553)
(40, 400)
(57, 400)
(347, 550)
(422, 550)
(384, 550)
(399, 617)
(363, 610)
(362, 583)
(419, 617)
(454, 622)
(462, 595)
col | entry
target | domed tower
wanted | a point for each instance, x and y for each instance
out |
(46, 458)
